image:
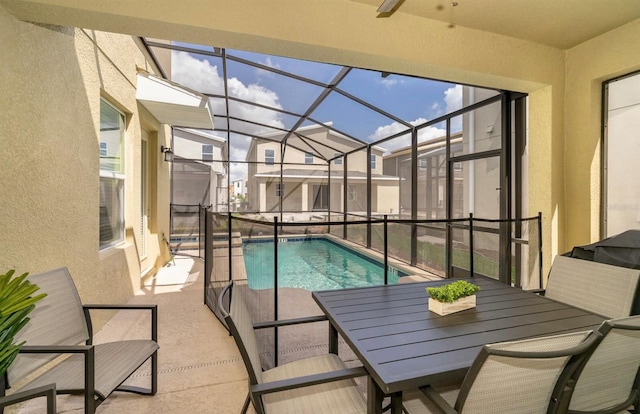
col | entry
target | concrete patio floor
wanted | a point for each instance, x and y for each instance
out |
(200, 369)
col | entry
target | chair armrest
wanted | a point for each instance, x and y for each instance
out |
(119, 306)
(289, 322)
(48, 391)
(55, 349)
(106, 306)
(437, 400)
(307, 380)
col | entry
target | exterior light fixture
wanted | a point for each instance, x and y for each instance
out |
(168, 153)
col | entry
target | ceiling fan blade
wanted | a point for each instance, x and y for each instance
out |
(387, 6)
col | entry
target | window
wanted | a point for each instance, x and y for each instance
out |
(207, 152)
(351, 193)
(422, 163)
(621, 209)
(373, 161)
(457, 166)
(104, 150)
(308, 158)
(338, 161)
(269, 157)
(279, 190)
(112, 175)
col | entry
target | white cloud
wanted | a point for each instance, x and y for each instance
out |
(388, 83)
(202, 76)
(453, 98)
(424, 134)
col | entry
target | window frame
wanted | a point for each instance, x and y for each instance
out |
(272, 157)
(373, 161)
(279, 190)
(338, 161)
(119, 176)
(308, 158)
(207, 155)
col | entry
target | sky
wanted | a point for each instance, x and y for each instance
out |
(414, 100)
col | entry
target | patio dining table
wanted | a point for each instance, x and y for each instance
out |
(403, 345)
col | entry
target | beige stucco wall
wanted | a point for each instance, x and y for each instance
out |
(52, 79)
(588, 65)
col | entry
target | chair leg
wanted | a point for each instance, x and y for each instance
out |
(154, 373)
(245, 407)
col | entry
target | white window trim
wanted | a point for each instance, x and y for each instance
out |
(308, 158)
(107, 249)
(338, 161)
(373, 161)
(202, 152)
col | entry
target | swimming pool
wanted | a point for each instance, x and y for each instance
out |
(312, 264)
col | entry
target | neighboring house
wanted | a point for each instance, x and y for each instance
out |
(197, 178)
(305, 172)
(432, 176)
(476, 183)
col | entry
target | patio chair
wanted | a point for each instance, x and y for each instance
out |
(597, 287)
(321, 384)
(58, 324)
(610, 379)
(529, 376)
(47, 391)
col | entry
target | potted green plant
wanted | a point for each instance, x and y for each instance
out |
(16, 302)
(452, 297)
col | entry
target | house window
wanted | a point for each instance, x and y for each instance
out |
(308, 158)
(457, 166)
(104, 150)
(279, 190)
(351, 193)
(373, 161)
(338, 161)
(112, 175)
(207, 152)
(422, 163)
(269, 157)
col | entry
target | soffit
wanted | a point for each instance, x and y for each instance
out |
(173, 104)
(562, 24)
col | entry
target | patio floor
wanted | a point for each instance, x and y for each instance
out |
(200, 369)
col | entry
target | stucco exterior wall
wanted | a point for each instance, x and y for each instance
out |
(588, 65)
(52, 81)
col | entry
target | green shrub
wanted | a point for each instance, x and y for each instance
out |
(16, 303)
(451, 292)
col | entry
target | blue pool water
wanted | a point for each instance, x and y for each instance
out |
(312, 264)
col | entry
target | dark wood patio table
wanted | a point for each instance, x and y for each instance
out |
(403, 346)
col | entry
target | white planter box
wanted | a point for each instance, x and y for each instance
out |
(442, 309)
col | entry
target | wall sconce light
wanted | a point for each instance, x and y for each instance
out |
(168, 153)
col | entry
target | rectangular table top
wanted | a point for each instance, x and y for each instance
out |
(403, 345)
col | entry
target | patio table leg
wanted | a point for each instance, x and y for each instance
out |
(333, 340)
(374, 397)
(396, 403)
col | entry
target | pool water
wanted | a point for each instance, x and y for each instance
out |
(312, 264)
